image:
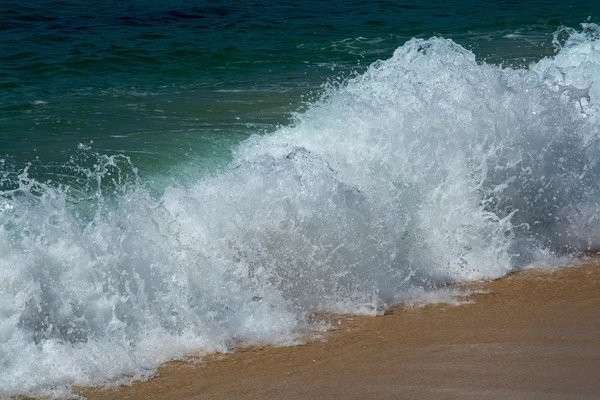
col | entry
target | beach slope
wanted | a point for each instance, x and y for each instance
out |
(531, 335)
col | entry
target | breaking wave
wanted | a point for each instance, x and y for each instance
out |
(427, 169)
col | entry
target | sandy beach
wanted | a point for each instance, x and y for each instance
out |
(531, 335)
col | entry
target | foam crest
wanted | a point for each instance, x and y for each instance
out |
(427, 169)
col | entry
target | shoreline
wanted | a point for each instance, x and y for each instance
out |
(532, 334)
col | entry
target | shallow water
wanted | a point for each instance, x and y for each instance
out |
(189, 178)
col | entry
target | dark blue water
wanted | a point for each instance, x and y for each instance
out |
(191, 176)
(166, 81)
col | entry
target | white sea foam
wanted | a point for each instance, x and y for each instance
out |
(427, 169)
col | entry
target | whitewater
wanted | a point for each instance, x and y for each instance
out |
(427, 169)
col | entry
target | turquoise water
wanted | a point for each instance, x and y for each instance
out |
(163, 82)
(192, 176)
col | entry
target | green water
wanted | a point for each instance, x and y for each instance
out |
(166, 83)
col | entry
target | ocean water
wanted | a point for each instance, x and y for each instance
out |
(191, 176)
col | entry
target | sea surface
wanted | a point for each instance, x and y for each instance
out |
(192, 176)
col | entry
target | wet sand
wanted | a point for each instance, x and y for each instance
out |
(534, 335)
